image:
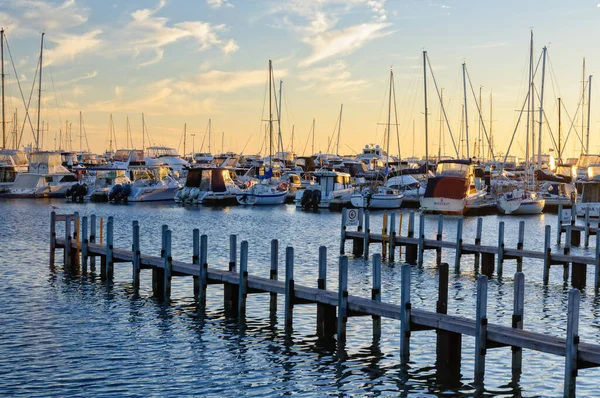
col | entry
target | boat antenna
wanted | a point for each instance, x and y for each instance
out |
(464, 67)
(387, 149)
(337, 147)
(539, 154)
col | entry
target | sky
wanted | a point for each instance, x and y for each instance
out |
(183, 62)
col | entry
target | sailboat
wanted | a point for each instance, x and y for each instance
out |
(383, 196)
(266, 192)
(526, 200)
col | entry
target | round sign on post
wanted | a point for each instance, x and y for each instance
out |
(352, 219)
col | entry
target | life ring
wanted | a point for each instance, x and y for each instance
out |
(283, 186)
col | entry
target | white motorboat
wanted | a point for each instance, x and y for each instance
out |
(101, 180)
(12, 162)
(209, 186)
(377, 198)
(453, 190)
(150, 184)
(264, 193)
(162, 155)
(46, 178)
(331, 188)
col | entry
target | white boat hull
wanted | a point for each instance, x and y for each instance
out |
(594, 209)
(153, 194)
(520, 207)
(262, 198)
(376, 201)
(443, 205)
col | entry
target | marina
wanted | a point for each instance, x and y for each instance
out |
(315, 198)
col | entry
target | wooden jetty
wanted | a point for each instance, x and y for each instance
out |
(334, 309)
(491, 257)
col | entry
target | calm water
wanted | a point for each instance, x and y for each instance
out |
(76, 336)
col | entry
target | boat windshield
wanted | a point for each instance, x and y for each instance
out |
(453, 169)
(156, 174)
(593, 172)
(159, 151)
(109, 173)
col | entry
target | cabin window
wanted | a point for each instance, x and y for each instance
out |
(48, 179)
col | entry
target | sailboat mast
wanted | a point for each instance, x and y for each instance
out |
(223, 142)
(270, 115)
(80, 134)
(184, 137)
(441, 125)
(387, 148)
(39, 94)
(292, 149)
(143, 132)
(209, 127)
(279, 141)
(491, 147)
(337, 147)
(583, 150)
(559, 133)
(464, 67)
(313, 136)
(426, 111)
(529, 104)
(539, 158)
(587, 136)
(2, 72)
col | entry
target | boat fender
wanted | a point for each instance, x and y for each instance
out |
(282, 186)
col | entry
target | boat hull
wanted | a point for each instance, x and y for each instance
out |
(153, 194)
(262, 199)
(376, 201)
(443, 205)
(520, 207)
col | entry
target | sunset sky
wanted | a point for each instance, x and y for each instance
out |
(185, 61)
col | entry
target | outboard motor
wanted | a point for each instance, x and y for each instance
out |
(316, 199)
(114, 192)
(69, 193)
(306, 199)
(194, 194)
(125, 192)
(78, 192)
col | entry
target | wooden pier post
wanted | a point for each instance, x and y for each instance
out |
(289, 290)
(342, 316)
(586, 240)
(520, 244)
(578, 275)
(52, 237)
(110, 263)
(158, 273)
(411, 249)
(567, 251)
(326, 314)
(196, 261)
(230, 290)
(559, 225)
(575, 234)
(572, 343)
(168, 268)
(273, 275)
(448, 344)
(101, 231)
(481, 328)
(84, 245)
(243, 283)
(458, 250)
(384, 236)
(137, 257)
(517, 323)
(597, 264)
(376, 294)
(421, 246)
(547, 258)
(343, 231)
(67, 248)
(93, 240)
(75, 251)
(366, 238)
(392, 240)
(438, 237)
(203, 277)
(405, 309)
(232, 252)
(400, 234)
(478, 233)
(500, 259)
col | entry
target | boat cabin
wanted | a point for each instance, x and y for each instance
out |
(209, 179)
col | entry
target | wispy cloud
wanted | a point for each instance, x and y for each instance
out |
(151, 33)
(218, 3)
(334, 78)
(68, 47)
(316, 22)
(216, 81)
(36, 15)
(342, 42)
